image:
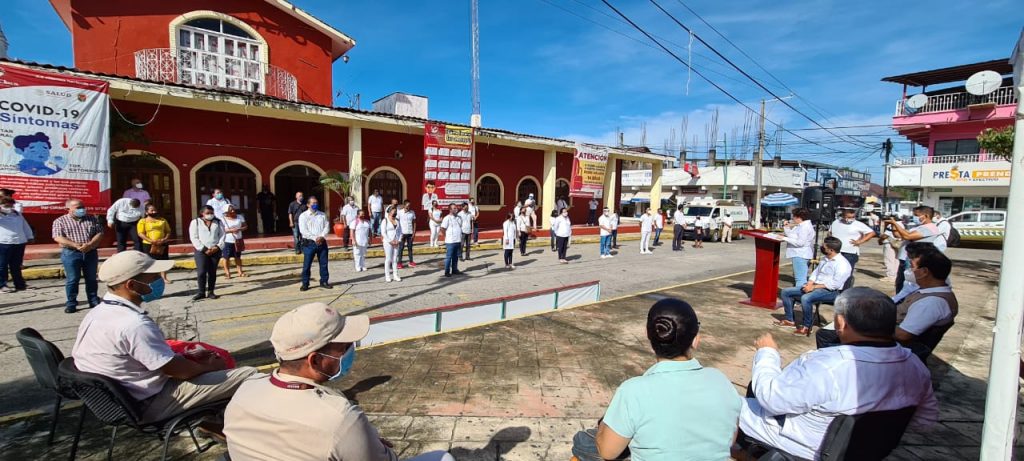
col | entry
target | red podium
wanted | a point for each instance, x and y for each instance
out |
(766, 270)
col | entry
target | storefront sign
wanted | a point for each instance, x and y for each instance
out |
(966, 174)
(588, 170)
(448, 163)
(54, 139)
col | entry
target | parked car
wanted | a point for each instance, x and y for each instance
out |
(715, 209)
(981, 226)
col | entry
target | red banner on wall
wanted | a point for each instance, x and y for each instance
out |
(447, 164)
(54, 139)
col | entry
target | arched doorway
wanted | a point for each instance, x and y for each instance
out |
(236, 181)
(526, 187)
(157, 178)
(389, 183)
(287, 182)
(562, 191)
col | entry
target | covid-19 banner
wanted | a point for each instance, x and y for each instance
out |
(447, 164)
(54, 139)
(588, 168)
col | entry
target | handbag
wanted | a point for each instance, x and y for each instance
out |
(157, 249)
(239, 245)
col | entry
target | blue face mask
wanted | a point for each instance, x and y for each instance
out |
(220, 196)
(156, 291)
(345, 365)
(80, 213)
(315, 206)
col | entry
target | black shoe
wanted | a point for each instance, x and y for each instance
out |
(70, 310)
(298, 252)
(198, 297)
(304, 288)
(212, 296)
(326, 285)
(447, 275)
(457, 273)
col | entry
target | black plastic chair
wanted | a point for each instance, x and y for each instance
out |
(111, 404)
(44, 357)
(930, 340)
(866, 437)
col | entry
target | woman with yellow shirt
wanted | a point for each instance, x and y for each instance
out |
(155, 232)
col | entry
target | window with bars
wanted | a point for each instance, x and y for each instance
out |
(215, 53)
(488, 191)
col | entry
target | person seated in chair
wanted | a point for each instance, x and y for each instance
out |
(119, 340)
(790, 409)
(677, 410)
(823, 285)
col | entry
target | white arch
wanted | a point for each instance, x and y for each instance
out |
(401, 177)
(501, 192)
(535, 181)
(175, 177)
(219, 158)
(279, 168)
(198, 14)
(566, 181)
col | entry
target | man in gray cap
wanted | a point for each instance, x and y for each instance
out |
(292, 414)
(119, 340)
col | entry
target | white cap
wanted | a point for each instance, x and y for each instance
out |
(127, 264)
(309, 327)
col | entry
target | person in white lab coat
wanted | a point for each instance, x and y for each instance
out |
(391, 236)
(361, 229)
(509, 230)
(523, 226)
(646, 228)
(791, 409)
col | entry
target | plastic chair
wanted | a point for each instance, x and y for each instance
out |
(44, 357)
(929, 340)
(866, 437)
(111, 404)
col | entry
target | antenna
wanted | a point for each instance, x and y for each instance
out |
(983, 82)
(475, 120)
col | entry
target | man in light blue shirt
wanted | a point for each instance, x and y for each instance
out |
(825, 283)
(678, 410)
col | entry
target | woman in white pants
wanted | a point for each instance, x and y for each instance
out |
(509, 230)
(646, 227)
(361, 229)
(391, 235)
(435, 223)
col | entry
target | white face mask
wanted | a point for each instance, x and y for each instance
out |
(908, 275)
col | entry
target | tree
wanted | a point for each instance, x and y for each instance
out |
(998, 142)
(340, 183)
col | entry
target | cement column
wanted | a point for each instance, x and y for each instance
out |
(355, 163)
(655, 185)
(610, 198)
(547, 195)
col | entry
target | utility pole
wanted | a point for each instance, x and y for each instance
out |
(725, 171)
(887, 146)
(475, 120)
(758, 156)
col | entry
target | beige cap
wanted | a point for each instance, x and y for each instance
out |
(127, 264)
(309, 327)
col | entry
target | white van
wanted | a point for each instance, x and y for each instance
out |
(715, 209)
(980, 226)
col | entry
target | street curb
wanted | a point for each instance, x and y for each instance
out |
(57, 272)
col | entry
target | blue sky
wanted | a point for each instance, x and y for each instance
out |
(571, 69)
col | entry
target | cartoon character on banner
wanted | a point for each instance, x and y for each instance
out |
(35, 150)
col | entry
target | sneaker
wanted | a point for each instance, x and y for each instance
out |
(304, 288)
(70, 310)
(213, 296)
(513, 266)
(400, 266)
(326, 285)
(198, 297)
(412, 264)
(387, 279)
(398, 279)
(7, 290)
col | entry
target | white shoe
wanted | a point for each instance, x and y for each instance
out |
(513, 266)
(387, 279)
(398, 279)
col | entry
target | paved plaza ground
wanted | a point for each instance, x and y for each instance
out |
(521, 388)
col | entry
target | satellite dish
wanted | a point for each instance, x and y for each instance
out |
(983, 82)
(916, 102)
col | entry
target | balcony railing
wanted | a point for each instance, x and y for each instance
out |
(968, 158)
(208, 70)
(953, 101)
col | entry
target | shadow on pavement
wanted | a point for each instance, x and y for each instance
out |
(500, 444)
(367, 384)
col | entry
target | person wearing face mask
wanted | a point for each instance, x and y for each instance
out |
(563, 232)
(123, 216)
(824, 285)
(14, 234)
(361, 234)
(799, 237)
(155, 232)
(207, 236)
(925, 231)
(137, 191)
(726, 228)
(119, 340)
(646, 227)
(219, 203)
(295, 209)
(604, 222)
(293, 413)
(348, 216)
(508, 239)
(78, 234)
(910, 285)
(9, 193)
(852, 233)
(466, 218)
(407, 218)
(314, 225)
(434, 220)
(234, 225)
(391, 236)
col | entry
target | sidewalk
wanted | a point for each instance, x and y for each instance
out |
(520, 389)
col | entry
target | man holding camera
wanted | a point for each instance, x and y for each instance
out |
(925, 231)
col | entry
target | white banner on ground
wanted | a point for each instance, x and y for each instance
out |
(400, 328)
(577, 296)
(531, 305)
(469, 316)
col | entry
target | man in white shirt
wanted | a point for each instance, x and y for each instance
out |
(726, 228)
(313, 226)
(852, 233)
(944, 227)
(605, 222)
(615, 230)
(466, 219)
(926, 231)
(349, 212)
(563, 231)
(474, 213)
(219, 203)
(592, 214)
(119, 340)
(659, 225)
(932, 305)
(914, 250)
(451, 225)
(791, 408)
(407, 221)
(646, 227)
(799, 238)
(376, 203)
(677, 229)
(823, 286)
(123, 216)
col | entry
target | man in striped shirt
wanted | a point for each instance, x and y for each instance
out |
(313, 227)
(78, 234)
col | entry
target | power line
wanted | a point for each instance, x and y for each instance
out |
(741, 71)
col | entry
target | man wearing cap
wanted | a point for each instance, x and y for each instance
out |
(119, 340)
(292, 414)
(852, 233)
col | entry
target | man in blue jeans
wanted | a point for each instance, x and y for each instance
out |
(823, 285)
(314, 225)
(605, 222)
(78, 234)
(452, 227)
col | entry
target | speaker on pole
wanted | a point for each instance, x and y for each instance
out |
(821, 202)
